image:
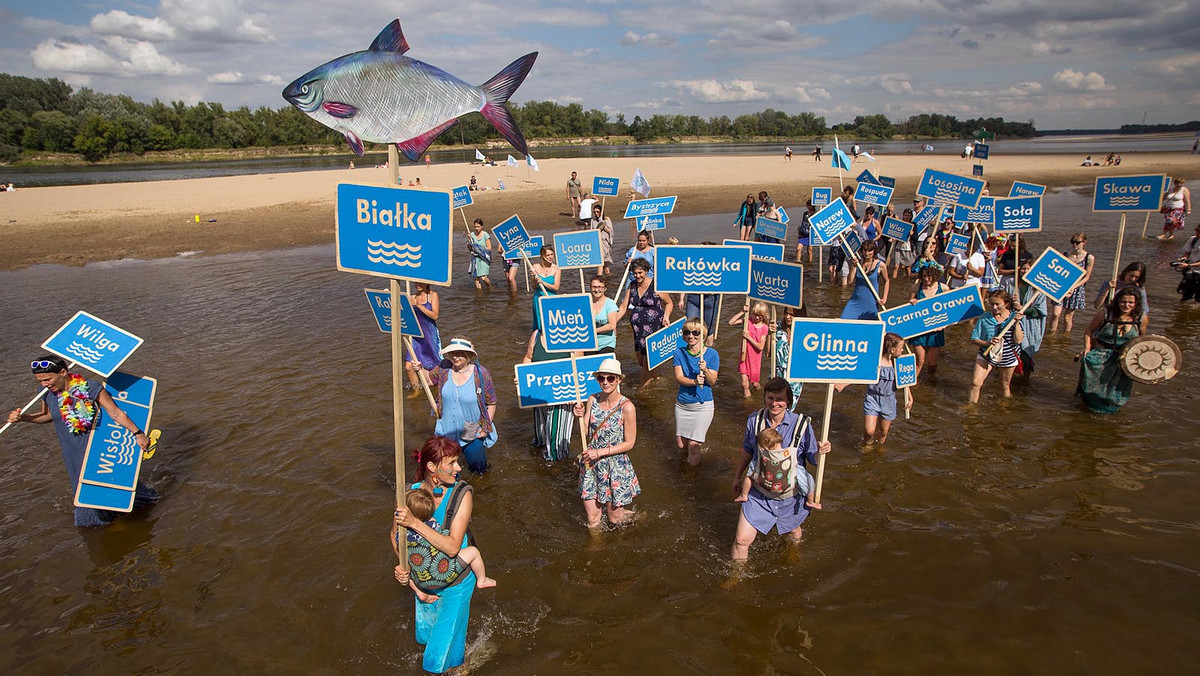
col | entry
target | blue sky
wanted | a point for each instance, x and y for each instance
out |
(1061, 63)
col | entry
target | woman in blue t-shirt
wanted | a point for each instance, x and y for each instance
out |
(696, 370)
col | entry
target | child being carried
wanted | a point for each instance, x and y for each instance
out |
(777, 472)
(434, 569)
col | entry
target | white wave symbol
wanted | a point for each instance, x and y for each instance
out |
(1123, 201)
(1046, 282)
(837, 362)
(390, 253)
(577, 259)
(563, 391)
(1019, 222)
(83, 351)
(566, 333)
(944, 194)
(772, 293)
(128, 448)
(937, 319)
(702, 278)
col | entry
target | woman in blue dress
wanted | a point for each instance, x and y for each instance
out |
(466, 402)
(441, 625)
(862, 303)
(927, 346)
(1103, 385)
(424, 355)
(548, 277)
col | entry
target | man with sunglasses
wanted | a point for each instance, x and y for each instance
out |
(72, 403)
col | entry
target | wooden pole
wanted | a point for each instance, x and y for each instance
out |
(774, 319)
(820, 264)
(995, 350)
(824, 438)
(1146, 225)
(716, 317)
(581, 289)
(421, 376)
(624, 278)
(398, 403)
(583, 440)
(1120, 241)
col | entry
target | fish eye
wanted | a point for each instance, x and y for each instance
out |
(304, 89)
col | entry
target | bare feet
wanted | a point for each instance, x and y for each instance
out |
(741, 498)
(485, 583)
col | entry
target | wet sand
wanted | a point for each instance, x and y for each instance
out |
(74, 225)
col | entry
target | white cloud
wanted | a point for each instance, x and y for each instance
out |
(72, 57)
(777, 30)
(1074, 81)
(234, 77)
(802, 93)
(143, 58)
(648, 40)
(713, 91)
(1042, 48)
(216, 20)
(127, 25)
(1186, 67)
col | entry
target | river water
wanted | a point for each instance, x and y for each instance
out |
(1096, 146)
(1022, 536)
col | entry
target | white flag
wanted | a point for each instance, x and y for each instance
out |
(532, 162)
(479, 156)
(512, 161)
(640, 184)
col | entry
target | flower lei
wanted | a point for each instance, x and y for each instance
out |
(76, 406)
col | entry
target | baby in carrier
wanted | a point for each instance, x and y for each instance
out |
(433, 570)
(777, 472)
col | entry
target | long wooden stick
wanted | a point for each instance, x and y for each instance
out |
(1117, 257)
(1146, 225)
(996, 350)
(583, 440)
(774, 319)
(398, 404)
(421, 376)
(716, 318)
(824, 438)
(624, 277)
(821, 264)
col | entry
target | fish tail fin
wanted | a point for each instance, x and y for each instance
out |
(497, 90)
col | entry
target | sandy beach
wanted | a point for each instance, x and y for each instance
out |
(74, 225)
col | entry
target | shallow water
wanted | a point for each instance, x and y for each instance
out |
(1020, 536)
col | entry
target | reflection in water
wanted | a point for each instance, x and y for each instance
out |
(981, 535)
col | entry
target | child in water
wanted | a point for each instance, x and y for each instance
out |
(754, 339)
(431, 567)
(776, 471)
(879, 406)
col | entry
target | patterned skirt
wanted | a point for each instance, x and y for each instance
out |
(609, 480)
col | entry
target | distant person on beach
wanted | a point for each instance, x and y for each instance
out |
(474, 185)
(1196, 146)
(780, 484)
(1176, 205)
(72, 403)
(787, 154)
(603, 224)
(816, 153)
(1087, 162)
(351, 164)
(574, 192)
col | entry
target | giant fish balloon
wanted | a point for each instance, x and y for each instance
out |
(382, 96)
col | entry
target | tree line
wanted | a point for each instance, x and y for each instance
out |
(47, 115)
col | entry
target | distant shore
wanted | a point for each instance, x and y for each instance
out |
(75, 225)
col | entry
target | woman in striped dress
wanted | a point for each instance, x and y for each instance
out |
(996, 351)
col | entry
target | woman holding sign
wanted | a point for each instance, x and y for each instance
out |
(549, 276)
(466, 402)
(927, 346)
(1077, 298)
(1103, 385)
(73, 404)
(424, 355)
(607, 482)
(863, 303)
(987, 336)
(696, 368)
(648, 309)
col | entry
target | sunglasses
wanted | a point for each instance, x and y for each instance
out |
(44, 365)
(691, 333)
(1077, 241)
(602, 378)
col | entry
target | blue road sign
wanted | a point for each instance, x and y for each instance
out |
(958, 243)
(558, 381)
(982, 150)
(935, 312)
(940, 186)
(1023, 189)
(897, 229)
(977, 170)
(769, 250)
(511, 234)
(1018, 214)
(1053, 274)
(832, 220)
(603, 186)
(113, 458)
(402, 233)
(104, 497)
(821, 196)
(650, 207)
(702, 269)
(651, 223)
(867, 177)
(462, 197)
(851, 243)
(661, 345)
(984, 212)
(783, 215)
(887, 181)
(579, 249)
(1129, 193)
(927, 215)
(878, 195)
(567, 323)
(93, 343)
(776, 282)
(835, 351)
(380, 301)
(532, 248)
(768, 228)
(906, 370)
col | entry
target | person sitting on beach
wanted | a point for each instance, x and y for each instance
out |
(474, 185)
(782, 505)
(1087, 162)
(436, 569)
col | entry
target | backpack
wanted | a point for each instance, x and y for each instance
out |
(433, 570)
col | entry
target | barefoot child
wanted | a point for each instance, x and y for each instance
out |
(879, 406)
(754, 338)
(433, 569)
(775, 470)
(987, 336)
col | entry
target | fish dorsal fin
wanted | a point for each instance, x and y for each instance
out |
(390, 39)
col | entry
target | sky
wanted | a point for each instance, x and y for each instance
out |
(1061, 63)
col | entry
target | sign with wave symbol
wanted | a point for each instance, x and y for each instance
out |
(1023, 189)
(399, 233)
(580, 249)
(984, 212)
(113, 459)
(906, 370)
(1019, 214)
(894, 228)
(821, 196)
(1129, 193)
(557, 381)
(650, 207)
(934, 313)
(947, 188)
(769, 228)
(651, 223)
(380, 301)
(758, 249)
(873, 193)
(835, 351)
(1053, 274)
(531, 249)
(93, 343)
(776, 282)
(832, 220)
(661, 345)
(702, 269)
(567, 323)
(512, 236)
